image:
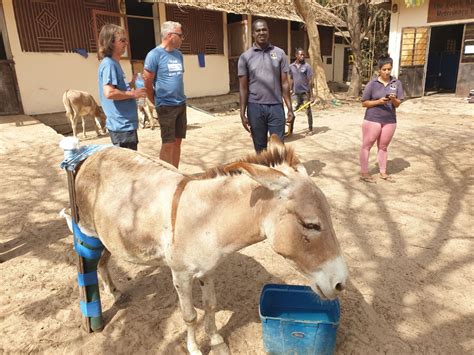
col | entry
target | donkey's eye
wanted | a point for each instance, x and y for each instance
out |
(313, 226)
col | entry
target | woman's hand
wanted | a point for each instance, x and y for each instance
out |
(395, 102)
(382, 100)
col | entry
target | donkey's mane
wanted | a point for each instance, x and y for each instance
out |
(276, 154)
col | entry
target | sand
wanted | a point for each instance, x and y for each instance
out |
(408, 244)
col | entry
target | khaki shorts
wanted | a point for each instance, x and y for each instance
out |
(173, 122)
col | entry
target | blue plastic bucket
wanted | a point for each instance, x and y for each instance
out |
(296, 321)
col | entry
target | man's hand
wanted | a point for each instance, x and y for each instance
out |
(139, 93)
(132, 82)
(245, 122)
(290, 116)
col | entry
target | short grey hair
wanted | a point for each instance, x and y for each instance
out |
(169, 26)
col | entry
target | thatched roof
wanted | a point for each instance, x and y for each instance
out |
(282, 9)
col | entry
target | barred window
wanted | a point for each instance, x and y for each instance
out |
(203, 29)
(61, 25)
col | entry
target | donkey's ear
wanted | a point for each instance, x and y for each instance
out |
(275, 143)
(272, 179)
(301, 169)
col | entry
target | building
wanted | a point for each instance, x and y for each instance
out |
(49, 46)
(432, 46)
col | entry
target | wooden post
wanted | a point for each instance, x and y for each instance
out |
(86, 293)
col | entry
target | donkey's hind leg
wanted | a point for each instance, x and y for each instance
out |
(184, 287)
(105, 276)
(209, 301)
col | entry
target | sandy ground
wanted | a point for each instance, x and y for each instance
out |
(408, 244)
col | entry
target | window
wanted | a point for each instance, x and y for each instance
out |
(203, 29)
(61, 25)
(414, 43)
(467, 54)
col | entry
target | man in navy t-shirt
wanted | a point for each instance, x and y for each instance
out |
(263, 80)
(117, 99)
(163, 74)
(301, 85)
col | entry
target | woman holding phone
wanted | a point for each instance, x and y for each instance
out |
(381, 97)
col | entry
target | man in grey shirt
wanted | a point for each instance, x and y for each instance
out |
(263, 80)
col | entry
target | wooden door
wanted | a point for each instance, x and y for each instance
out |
(238, 43)
(413, 59)
(9, 98)
(9, 102)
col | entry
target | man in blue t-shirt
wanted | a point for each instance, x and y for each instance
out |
(263, 81)
(301, 85)
(116, 97)
(163, 75)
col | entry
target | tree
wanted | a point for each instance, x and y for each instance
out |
(321, 89)
(360, 17)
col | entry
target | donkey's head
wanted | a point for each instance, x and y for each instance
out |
(298, 223)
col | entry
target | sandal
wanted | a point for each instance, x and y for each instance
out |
(367, 178)
(387, 177)
(309, 133)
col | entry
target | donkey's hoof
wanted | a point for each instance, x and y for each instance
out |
(220, 349)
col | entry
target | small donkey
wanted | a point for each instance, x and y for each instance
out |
(81, 103)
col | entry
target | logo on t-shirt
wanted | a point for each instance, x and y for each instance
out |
(273, 55)
(174, 67)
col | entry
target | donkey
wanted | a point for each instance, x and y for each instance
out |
(193, 222)
(79, 104)
(146, 112)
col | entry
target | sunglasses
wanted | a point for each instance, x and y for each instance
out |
(180, 35)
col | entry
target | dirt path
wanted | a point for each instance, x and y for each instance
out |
(408, 244)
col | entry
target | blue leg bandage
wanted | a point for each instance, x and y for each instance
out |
(89, 248)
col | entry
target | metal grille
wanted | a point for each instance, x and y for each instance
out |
(58, 25)
(203, 31)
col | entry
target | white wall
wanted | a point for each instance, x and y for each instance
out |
(213, 79)
(43, 77)
(409, 17)
(339, 62)
(328, 68)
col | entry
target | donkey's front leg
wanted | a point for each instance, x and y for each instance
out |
(209, 302)
(184, 287)
(83, 127)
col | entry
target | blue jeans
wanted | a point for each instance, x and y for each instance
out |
(265, 120)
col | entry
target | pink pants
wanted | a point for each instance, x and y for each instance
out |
(371, 132)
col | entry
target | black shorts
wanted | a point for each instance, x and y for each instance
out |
(126, 139)
(173, 122)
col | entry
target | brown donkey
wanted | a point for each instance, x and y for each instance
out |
(194, 222)
(79, 104)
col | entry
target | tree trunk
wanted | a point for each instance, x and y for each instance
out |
(321, 88)
(354, 28)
